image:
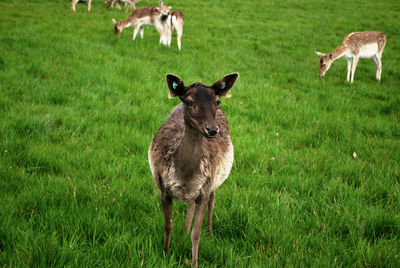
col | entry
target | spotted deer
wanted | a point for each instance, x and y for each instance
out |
(191, 155)
(128, 4)
(173, 21)
(364, 45)
(148, 16)
(74, 2)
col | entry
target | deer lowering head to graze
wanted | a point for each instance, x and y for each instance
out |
(364, 45)
(129, 4)
(173, 21)
(74, 2)
(143, 17)
(191, 155)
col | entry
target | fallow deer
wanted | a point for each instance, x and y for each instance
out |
(129, 4)
(148, 16)
(191, 155)
(364, 45)
(173, 21)
(74, 2)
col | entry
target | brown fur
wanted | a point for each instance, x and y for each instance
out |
(191, 154)
(351, 48)
(356, 40)
(142, 17)
(129, 4)
(169, 139)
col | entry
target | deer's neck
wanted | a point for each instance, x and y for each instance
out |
(339, 52)
(189, 154)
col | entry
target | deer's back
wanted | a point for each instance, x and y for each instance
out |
(358, 40)
(146, 13)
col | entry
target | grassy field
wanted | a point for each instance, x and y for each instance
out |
(316, 177)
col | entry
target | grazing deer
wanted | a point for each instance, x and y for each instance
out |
(144, 17)
(364, 45)
(192, 154)
(171, 22)
(74, 2)
(129, 4)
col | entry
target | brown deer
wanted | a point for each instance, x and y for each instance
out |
(129, 4)
(364, 45)
(173, 21)
(144, 17)
(74, 2)
(191, 155)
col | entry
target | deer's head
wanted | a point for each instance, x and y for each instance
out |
(117, 27)
(325, 61)
(164, 10)
(201, 102)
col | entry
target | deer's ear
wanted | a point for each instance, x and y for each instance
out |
(175, 85)
(223, 86)
(319, 53)
(114, 21)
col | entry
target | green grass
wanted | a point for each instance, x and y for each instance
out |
(79, 107)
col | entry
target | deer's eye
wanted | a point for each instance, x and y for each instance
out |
(218, 102)
(323, 64)
(188, 103)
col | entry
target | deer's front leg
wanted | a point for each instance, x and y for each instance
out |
(353, 68)
(73, 4)
(189, 216)
(160, 29)
(201, 205)
(210, 211)
(141, 32)
(166, 202)
(137, 27)
(89, 5)
(348, 69)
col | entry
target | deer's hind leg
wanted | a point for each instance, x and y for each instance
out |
(379, 67)
(179, 30)
(166, 202)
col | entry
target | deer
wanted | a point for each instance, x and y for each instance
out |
(74, 2)
(144, 17)
(173, 21)
(191, 155)
(129, 4)
(355, 46)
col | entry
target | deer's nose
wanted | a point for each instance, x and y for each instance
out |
(212, 131)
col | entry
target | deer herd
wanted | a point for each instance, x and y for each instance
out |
(161, 17)
(191, 155)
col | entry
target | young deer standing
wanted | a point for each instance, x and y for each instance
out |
(74, 2)
(144, 17)
(192, 154)
(171, 22)
(364, 45)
